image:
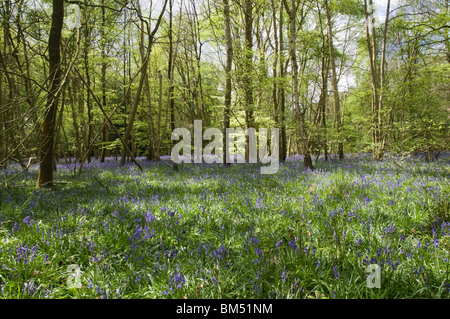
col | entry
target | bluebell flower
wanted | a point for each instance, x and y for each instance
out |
(27, 220)
(379, 252)
(149, 217)
(336, 274)
(296, 285)
(215, 282)
(292, 244)
(418, 271)
(254, 240)
(367, 199)
(278, 244)
(283, 275)
(178, 279)
(436, 243)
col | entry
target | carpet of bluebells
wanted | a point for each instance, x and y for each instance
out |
(210, 231)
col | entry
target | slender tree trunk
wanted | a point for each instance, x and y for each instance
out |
(12, 107)
(58, 128)
(151, 130)
(76, 127)
(87, 45)
(275, 89)
(377, 82)
(300, 113)
(30, 94)
(3, 159)
(228, 66)
(382, 82)
(281, 93)
(324, 91)
(248, 56)
(105, 131)
(170, 68)
(372, 48)
(337, 107)
(135, 105)
(323, 102)
(158, 123)
(46, 156)
(198, 45)
(447, 42)
(81, 113)
(170, 76)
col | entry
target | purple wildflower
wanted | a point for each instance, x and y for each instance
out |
(254, 240)
(336, 274)
(27, 220)
(292, 244)
(283, 275)
(278, 244)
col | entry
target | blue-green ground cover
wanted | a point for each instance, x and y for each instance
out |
(210, 231)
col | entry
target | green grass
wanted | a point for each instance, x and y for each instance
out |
(209, 231)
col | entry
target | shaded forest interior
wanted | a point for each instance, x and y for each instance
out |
(85, 79)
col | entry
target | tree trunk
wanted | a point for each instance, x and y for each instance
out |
(46, 155)
(76, 128)
(105, 131)
(300, 113)
(3, 159)
(158, 123)
(337, 107)
(248, 56)
(228, 66)
(377, 83)
(382, 81)
(87, 44)
(170, 76)
(281, 94)
(447, 42)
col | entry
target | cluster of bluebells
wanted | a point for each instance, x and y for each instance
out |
(359, 221)
(177, 280)
(25, 254)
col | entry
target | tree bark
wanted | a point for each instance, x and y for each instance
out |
(76, 128)
(170, 76)
(46, 156)
(337, 107)
(300, 113)
(3, 159)
(228, 66)
(248, 57)
(284, 149)
(105, 131)
(377, 82)
(87, 45)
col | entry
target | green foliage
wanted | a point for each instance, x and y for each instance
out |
(215, 232)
